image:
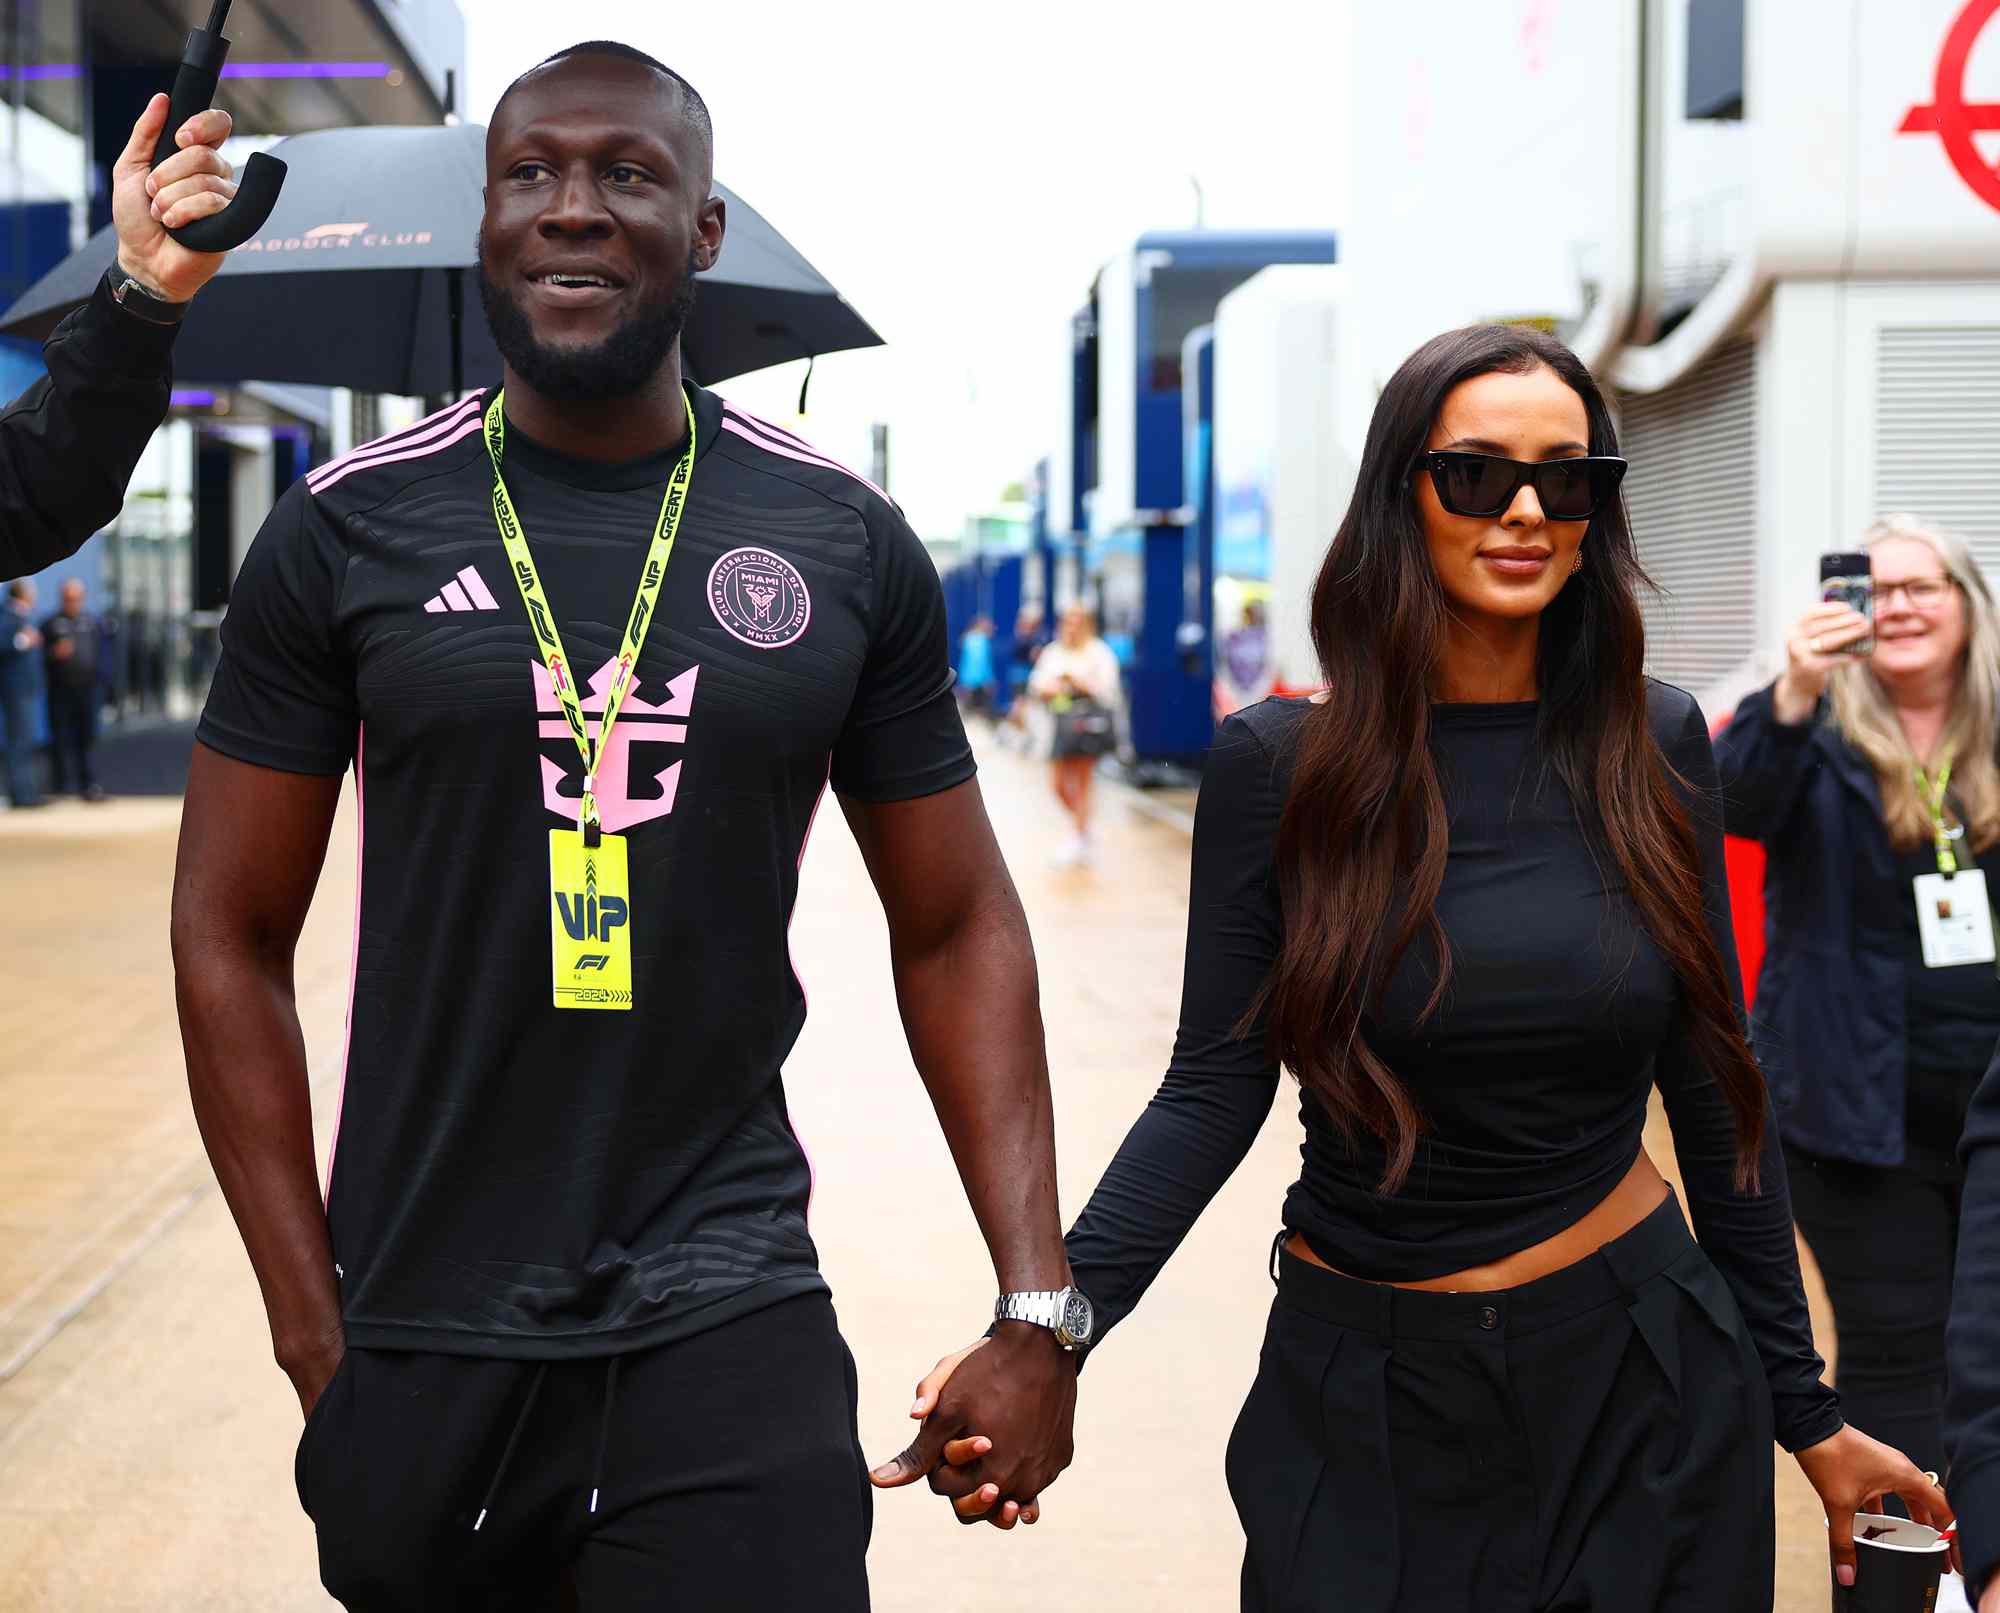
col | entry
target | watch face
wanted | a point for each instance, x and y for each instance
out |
(1076, 1317)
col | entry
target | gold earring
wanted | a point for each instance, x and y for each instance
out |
(1577, 564)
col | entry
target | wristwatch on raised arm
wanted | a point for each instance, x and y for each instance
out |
(140, 301)
(1065, 1312)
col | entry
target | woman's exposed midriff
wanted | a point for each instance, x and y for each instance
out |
(1636, 1196)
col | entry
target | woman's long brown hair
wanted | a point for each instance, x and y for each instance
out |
(1361, 846)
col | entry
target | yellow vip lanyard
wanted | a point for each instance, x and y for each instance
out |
(549, 639)
(1931, 791)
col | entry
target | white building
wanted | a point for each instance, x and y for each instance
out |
(1798, 306)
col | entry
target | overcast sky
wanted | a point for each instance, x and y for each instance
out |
(960, 172)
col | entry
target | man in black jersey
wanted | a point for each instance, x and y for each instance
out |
(558, 1320)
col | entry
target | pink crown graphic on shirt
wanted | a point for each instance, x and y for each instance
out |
(639, 723)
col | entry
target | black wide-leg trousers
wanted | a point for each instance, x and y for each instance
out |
(1597, 1440)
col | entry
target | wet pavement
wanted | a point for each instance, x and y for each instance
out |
(146, 1439)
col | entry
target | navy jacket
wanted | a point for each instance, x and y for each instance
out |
(1972, 1342)
(20, 670)
(1828, 1025)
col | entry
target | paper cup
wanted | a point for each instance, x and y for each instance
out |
(1897, 1566)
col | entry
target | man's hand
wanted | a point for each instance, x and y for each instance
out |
(1990, 1602)
(312, 1373)
(146, 202)
(1002, 1429)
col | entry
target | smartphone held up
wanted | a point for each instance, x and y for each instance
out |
(1847, 579)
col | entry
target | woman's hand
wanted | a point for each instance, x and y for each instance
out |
(958, 1453)
(1852, 1473)
(1816, 645)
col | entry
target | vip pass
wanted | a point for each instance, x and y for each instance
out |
(590, 902)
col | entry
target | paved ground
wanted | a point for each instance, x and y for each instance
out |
(146, 1439)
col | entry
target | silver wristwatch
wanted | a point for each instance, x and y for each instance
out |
(140, 301)
(1065, 1312)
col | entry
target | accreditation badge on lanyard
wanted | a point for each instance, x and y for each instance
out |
(590, 893)
(1954, 918)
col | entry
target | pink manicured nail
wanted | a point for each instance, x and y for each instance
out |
(1845, 1574)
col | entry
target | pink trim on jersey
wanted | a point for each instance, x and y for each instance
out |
(425, 429)
(812, 1171)
(751, 429)
(458, 434)
(354, 960)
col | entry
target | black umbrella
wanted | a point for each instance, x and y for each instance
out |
(356, 278)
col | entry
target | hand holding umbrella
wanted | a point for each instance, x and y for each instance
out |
(263, 175)
(195, 183)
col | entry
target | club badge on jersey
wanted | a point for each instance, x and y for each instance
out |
(590, 893)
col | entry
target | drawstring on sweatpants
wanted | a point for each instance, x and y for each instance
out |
(604, 1429)
(513, 1439)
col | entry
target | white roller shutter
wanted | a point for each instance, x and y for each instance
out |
(1937, 430)
(1692, 494)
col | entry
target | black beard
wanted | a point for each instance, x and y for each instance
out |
(621, 366)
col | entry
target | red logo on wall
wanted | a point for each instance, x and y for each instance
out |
(1952, 118)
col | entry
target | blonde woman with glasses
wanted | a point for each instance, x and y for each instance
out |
(1872, 781)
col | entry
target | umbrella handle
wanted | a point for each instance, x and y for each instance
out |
(263, 175)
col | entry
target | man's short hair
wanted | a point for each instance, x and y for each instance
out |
(695, 108)
(20, 588)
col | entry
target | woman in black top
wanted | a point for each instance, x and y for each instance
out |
(1473, 898)
(1873, 1049)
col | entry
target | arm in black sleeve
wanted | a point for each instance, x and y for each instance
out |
(68, 445)
(1747, 1234)
(1763, 765)
(1219, 1087)
(1972, 1343)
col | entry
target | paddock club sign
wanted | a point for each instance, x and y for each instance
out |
(337, 238)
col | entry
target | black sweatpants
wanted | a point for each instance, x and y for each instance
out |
(1886, 1238)
(718, 1471)
(1597, 1440)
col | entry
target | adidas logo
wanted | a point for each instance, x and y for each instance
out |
(464, 592)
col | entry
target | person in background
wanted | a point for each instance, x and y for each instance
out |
(975, 666)
(1972, 1351)
(69, 443)
(73, 642)
(20, 668)
(1031, 637)
(1866, 778)
(1076, 677)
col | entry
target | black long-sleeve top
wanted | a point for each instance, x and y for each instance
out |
(1972, 1343)
(68, 445)
(1533, 1076)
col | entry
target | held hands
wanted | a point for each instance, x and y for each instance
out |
(1816, 645)
(1852, 1473)
(146, 202)
(996, 1433)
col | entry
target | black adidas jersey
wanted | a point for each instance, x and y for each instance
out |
(510, 1178)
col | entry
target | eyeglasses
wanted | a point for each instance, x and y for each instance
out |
(1481, 485)
(1923, 593)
